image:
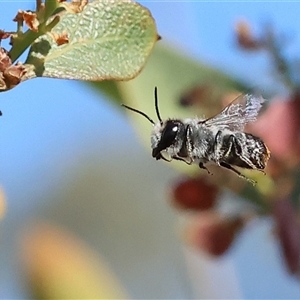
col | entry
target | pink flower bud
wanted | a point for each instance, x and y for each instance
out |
(194, 194)
(212, 233)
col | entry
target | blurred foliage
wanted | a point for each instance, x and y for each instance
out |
(58, 265)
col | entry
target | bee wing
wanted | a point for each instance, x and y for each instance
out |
(242, 110)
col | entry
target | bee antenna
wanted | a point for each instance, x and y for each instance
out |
(139, 112)
(156, 106)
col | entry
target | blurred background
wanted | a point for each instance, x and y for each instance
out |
(78, 182)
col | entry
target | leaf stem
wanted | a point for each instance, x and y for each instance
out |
(21, 43)
(50, 8)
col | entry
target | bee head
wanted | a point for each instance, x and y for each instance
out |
(165, 136)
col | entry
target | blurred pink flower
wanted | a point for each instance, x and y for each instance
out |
(212, 233)
(288, 230)
(194, 194)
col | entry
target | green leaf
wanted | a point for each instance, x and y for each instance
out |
(107, 40)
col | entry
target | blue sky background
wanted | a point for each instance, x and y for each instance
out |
(48, 125)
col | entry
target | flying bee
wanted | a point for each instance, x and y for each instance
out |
(220, 139)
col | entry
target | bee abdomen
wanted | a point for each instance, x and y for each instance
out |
(245, 151)
(259, 153)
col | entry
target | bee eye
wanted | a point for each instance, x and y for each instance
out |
(169, 133)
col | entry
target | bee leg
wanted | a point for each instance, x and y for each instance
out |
(201, 165)
(160, 156)
(227, 166)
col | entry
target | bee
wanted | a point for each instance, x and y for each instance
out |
(220, 139)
